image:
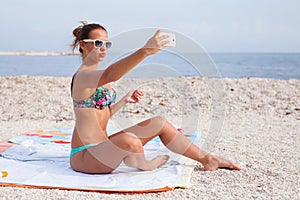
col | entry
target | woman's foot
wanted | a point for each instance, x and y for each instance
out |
(158, 161)
(212, 163)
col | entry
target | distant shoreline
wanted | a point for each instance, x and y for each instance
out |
(70, 53)
(37, 53)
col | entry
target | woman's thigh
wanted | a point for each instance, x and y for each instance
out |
(145, 130)
(108, 155)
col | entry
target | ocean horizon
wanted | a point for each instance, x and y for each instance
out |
(222, 65)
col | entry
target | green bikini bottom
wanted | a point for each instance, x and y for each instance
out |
(78, 149)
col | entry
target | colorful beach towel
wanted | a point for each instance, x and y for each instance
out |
(40, 159)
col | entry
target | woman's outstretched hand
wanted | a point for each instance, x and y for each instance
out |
(134, 96)
(156, 43)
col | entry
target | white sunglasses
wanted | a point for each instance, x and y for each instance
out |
(99, 43)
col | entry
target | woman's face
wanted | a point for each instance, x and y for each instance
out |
(87, 47)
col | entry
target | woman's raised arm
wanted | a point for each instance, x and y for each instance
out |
(118, 69)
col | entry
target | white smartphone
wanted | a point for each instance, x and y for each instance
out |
(171, 39)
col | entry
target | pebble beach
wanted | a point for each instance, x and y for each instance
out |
(254, 122)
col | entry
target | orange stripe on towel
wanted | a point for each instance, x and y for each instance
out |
(163, 189)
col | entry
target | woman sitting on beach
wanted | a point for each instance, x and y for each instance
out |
(93, 151)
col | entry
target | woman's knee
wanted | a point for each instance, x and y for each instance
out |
(158, 123)
(160, 119)
(131, 142)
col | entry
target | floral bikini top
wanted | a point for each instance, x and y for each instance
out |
(101, 98)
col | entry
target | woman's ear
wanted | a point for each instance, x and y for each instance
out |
(82, 44)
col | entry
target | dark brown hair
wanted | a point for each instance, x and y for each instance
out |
(82, 32)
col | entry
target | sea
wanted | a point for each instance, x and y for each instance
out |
(224, 65)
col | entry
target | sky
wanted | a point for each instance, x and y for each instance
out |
(216, 25)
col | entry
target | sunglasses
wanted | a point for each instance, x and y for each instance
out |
(99, 43)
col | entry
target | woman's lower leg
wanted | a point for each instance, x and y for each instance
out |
(178, 143)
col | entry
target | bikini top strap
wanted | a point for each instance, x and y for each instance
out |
(73, 81)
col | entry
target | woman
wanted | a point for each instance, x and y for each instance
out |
(93, 151)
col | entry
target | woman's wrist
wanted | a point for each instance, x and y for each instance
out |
(124, 101)
(144, 51)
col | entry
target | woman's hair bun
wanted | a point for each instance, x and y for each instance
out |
(76, 31)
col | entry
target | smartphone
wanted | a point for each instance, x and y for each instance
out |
(171, 39)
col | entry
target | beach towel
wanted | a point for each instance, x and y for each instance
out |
(40, 159)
